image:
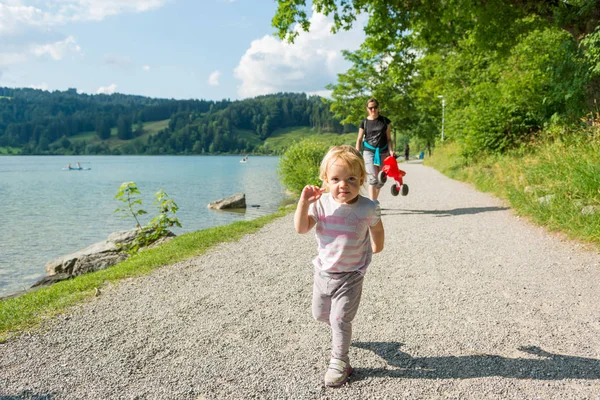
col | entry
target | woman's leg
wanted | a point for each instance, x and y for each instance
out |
(373, 192)
(373, 172)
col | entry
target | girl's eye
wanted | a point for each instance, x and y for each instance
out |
(334, 179)
(352, 179)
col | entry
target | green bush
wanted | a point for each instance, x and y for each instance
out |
(299, 165)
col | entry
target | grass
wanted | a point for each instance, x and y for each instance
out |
(249, 136)
(281, 139)
(29, 310)
(556, 186)
(9, 150)
(150, 128)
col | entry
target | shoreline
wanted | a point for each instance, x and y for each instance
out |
(16, 315)
(75, 210)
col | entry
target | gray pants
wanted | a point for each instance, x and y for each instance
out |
(335, 302)
(372, 169)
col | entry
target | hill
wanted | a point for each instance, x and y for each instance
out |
(40, 122)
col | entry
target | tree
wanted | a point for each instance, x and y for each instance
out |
(507, 68)
(124, 127)
(102, 128)
(439, 20)
(64, 142)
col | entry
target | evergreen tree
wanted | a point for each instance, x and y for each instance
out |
(124, 127)
(102, 128)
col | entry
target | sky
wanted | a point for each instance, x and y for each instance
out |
(180, 49)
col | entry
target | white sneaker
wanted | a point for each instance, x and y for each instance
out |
(338, 373)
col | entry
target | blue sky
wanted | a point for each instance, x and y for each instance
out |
(182, 49)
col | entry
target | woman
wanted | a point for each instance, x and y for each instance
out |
(374, 135)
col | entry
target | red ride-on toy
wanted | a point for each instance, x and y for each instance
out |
(390, 168)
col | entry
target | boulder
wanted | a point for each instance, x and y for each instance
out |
(51, 279)
(238, 200)
(122, 237)
(98, 256)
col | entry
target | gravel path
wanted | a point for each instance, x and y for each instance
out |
(467, 301)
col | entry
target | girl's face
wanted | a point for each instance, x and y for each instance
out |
(343, 183)
(373, 109)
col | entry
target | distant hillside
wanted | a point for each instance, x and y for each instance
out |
(40, 122)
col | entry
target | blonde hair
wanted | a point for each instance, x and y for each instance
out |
(347, 155)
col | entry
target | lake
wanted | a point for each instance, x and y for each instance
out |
(48, 212)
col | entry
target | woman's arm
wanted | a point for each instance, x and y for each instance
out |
(359, 139)
(388, 133)
(377, 237)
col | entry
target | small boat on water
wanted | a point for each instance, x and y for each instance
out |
(77, 167)
(245, 159)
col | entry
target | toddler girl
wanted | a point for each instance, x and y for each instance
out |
(348, 230)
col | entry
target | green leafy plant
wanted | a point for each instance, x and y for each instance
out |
(158, 227)
(299, 165)
(129, 194)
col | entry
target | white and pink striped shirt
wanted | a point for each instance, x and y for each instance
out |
(342, 232)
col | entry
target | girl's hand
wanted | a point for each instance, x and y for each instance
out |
(311, 193)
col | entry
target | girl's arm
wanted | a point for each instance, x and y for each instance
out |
(359, 139)
(377, 237)
(302, 221)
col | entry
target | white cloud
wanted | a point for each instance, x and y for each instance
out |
(146, 68)
(57, 50)
(42, 86)
(14, 18)
(14, 15)
(29, 26)
(97, 10)
(213, 79)
(322, 93)
(110, 89)
(308, 65)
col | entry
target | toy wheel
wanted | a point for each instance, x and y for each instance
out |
(404, 190)
(382, 177)
(395, 190)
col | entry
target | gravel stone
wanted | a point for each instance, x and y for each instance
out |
(467, 301)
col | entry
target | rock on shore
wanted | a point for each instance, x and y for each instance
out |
(237, 200)
(96, 257)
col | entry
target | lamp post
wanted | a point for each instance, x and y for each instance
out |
(443, 111)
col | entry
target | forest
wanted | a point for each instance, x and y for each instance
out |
(503, 73)
(34, 121)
